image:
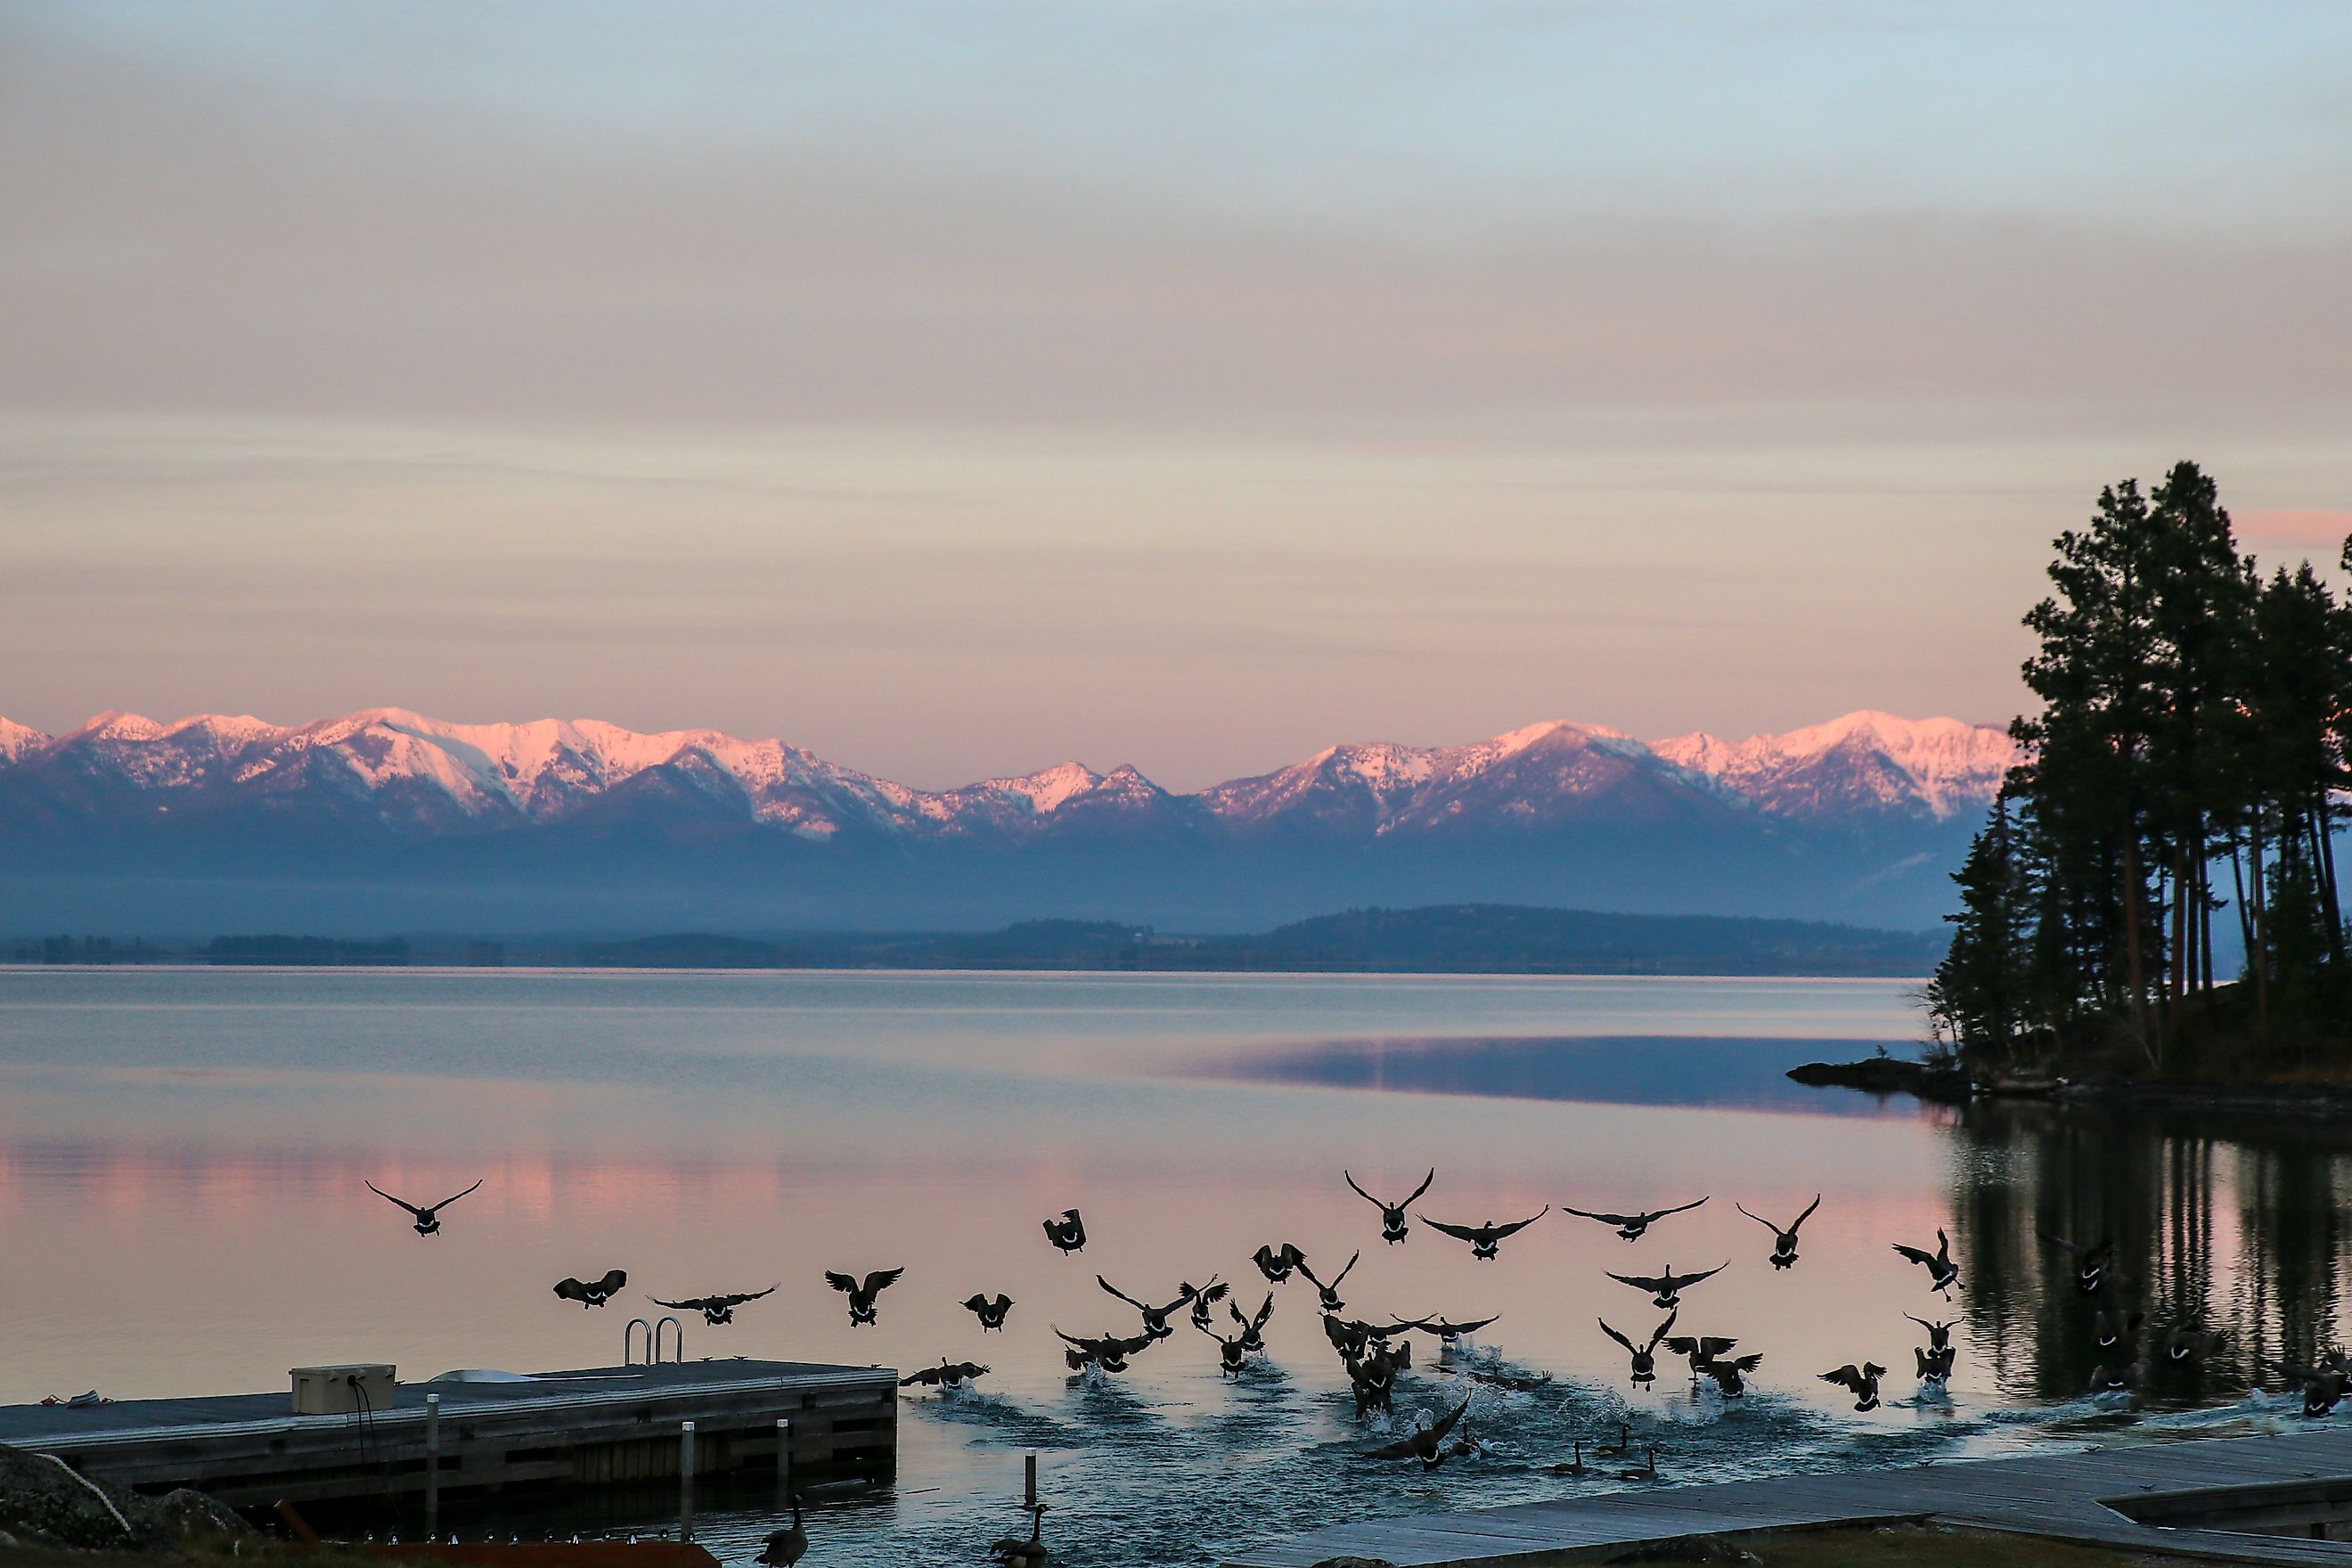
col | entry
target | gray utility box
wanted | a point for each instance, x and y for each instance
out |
(343, 1390)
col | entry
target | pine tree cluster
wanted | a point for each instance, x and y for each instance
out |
(2187, 768)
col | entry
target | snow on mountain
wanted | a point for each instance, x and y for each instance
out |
(407, 770)
(1866, 761)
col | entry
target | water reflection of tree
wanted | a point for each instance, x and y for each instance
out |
(2238, 1231)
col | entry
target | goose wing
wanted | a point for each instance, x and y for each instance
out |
(1120, 1294)
(1767, 1224)
(1263, 1314)
(1807, 1215)
(444, 1203)
(404, 1203)
(1421, 1189)
(1516, 1225)
(693, 1304)
(1364, 1195)
(747, 1296)
(1848, 1376)
(1450, 1420)
(1656, 1215)
(1684, 1281)
(1343, 1273)
(845, 1283)
(1916, 1254)
(1640, 1281)
(1459, 1232)
(881, 1279)
(1615, 1335)
(1617, 1219)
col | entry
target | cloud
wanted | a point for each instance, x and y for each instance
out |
(2292, 528)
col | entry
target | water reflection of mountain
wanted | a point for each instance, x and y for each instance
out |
(1624, 1069)
(2234, 1228)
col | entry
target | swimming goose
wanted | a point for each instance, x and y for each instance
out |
(1645, 1356)
(1943, 1274)
(1485, 1240)
(1014, 1553)
(715, 1309)
(592, 1292)
(1862, 1382)
(1206, 1296)
(1574, 1466)
(1620, 1449)
(989, 1310)
(1631, 1226)
(789, 1545)
(1784, 1241)
(862, 1292)
(947, 1375)
(1330, 1292)
(1068, 1233)
(1646, 1472)
(1666, 1289)
(1393, 1218)
(1155, 1319)
(1277, 1266)
(2091, 1263)
(428, 1219)
(1426, 1442)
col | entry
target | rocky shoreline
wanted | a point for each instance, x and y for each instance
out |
(2309, 1103)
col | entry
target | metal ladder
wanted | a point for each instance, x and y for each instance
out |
(653, 1340)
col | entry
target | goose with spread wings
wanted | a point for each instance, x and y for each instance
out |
(1427, 1442)
(1943, 1274)
(715, 1309)
(1109, 1352)
(1392, 1216)
(862, 1292)
(1253, 1327)
(1936, 1356)
(1784, 1238)
(1330, 1293)
(1862, 1382)
(1206, 1296)
(947, 1375)
(592, 1292)
(1645, 1356)
(1277, 1264)
(1068, 1233)
(1632, 1226)
(1666, 1289)
(1155, 1319)
(989, 1309)
(2092, 1263)
(428, 1219)
(1448, 1333)
(1485, 1240)
(1232, 1355)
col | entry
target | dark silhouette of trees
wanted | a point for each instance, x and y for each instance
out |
(2189, 762)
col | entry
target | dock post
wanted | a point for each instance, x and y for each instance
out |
(686, 1480)
(783, 1462)
(1029, 1483)
(432, 1466)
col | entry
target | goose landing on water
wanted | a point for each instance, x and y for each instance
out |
(428, 1219)
(716, 1309)
(1943, 1274)
(1666, 1289)
(1155, 1319)
(1426, 1443)
(991, 1313)
(1862, 1382)
(863, 1308)
(1330, 1293)
(1486, 1240)
(1645, 1356)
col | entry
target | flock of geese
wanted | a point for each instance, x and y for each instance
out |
(1373, 1354)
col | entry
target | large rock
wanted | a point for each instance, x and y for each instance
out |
(44, 1503)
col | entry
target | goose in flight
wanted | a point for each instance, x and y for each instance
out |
(862, 1292)
(1330, 1292)
(1426, 1442)
(1252, 1327)
(2110, 1330)
(1943, 1274)
(1784, 1240)
(2092, 1263)
(428, 1219)
(1731, 1373)
(947, 1375)
(1645, 1356)
(1277, 1264)
(1109, 1353)
(1155, 1319)
(989, 1310)
(1936, 1356)
(715, 1309)
(1206, 1296)
(1631, 1226)
(591, 1293)
(1701, 1352)
(1392, 1216)
(1068, 1233)
(1485, 1240)
(1666, 1289)
(1862, 1382)
(2187, 1344)
(1372, 1379)
(1449, 1334)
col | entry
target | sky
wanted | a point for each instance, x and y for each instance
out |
(958, 389)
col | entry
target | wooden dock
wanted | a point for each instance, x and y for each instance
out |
(598, 1426)
(2265, 1500)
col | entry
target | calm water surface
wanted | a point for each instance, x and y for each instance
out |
(182, 1211)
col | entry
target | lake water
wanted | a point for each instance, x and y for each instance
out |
(183, 1156)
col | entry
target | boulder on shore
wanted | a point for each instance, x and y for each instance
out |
(43, 1502)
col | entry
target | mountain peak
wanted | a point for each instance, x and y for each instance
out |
(1940, 766)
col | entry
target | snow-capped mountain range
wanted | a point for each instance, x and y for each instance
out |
(388, 795)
